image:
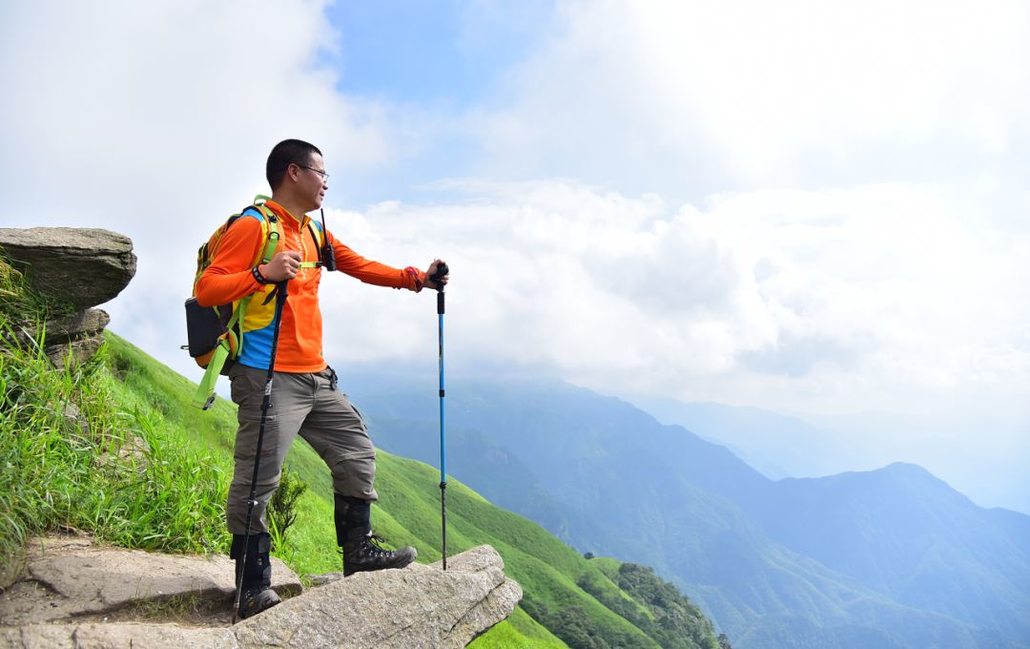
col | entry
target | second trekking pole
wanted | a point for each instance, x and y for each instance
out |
(266, 402)
(441, 271)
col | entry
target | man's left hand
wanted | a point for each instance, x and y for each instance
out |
(429, 283)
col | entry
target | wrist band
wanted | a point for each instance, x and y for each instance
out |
(258, 276)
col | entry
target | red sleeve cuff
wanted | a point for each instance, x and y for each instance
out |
(417, 277)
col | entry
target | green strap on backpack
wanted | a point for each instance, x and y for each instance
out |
(215, 339)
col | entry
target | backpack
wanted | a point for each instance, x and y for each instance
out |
(214, 334)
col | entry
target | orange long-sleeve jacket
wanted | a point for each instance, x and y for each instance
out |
(229, 279)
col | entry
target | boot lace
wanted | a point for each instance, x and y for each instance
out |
(373, 541)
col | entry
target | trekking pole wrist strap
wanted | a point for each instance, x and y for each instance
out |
(258, 277)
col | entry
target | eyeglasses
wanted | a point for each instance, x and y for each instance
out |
(321, 173)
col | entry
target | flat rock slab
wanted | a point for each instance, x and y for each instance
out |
(419, 606)
(70, 577)
(79, 266)
(115, 636)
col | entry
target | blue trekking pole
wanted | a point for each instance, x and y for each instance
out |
(441, 271)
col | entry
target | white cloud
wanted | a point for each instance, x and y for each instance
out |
(880, 298)
(827, 301)
(691, 97)
(154, 119)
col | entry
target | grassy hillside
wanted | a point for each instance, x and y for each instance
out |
(113, 448)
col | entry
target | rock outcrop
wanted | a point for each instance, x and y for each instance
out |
(420, 606)
(80, 267)
(76, 595)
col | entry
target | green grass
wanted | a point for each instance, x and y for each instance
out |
(148, 470)
(74, 455)
(519, 631)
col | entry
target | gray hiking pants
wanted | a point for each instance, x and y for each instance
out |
(305, 404)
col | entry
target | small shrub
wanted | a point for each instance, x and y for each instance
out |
(282, 508)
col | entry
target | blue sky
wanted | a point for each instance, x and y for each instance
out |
(814, 209)
(437, 60)
(441, 53)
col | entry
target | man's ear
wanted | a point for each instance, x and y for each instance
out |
(292, 172)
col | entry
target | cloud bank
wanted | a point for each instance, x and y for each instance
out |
(771, 204)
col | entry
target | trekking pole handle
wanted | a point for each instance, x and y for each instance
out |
(437, 275)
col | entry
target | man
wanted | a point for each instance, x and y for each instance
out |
(304, 395)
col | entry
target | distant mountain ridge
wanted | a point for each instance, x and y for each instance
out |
(892, 557)
(814, 445)
(765, 440)
(937, 535)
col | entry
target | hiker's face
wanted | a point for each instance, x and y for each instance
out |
(312, 183)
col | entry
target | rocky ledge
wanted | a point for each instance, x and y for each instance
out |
(82, 267)
(76, 267)
(74, 594)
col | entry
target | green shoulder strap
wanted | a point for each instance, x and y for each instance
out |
(270, 223)
(205, 395)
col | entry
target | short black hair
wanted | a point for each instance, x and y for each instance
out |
(283, 155)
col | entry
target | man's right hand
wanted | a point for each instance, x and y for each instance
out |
(284, 265)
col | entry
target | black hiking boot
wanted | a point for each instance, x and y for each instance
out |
(361, 549)
(257, 594)
(365, 554)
